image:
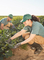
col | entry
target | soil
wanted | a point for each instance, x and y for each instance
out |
(28, 54)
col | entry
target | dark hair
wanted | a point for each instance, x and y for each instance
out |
(34, 18)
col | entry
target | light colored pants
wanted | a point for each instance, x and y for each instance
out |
(6, 26)
(36, 39)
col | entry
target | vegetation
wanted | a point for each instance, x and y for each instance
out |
(41, 19)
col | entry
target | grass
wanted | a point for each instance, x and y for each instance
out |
(24, 46)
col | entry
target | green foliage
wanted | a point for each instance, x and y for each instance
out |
(2, 17)
(24, 46)
(5, 48)
(0, 31)
(8, 53)
(41, 19)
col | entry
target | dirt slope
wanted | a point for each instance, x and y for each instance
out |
(21, 54)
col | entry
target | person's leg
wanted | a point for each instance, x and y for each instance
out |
(38, 40)
(25, 34)
(35, 44)
(32, 44)
(4, 27)
(7, 26)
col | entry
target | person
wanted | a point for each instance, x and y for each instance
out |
(33, 32)
(5, 23)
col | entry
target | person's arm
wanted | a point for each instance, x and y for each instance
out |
(13, 27)
(11, 24)
(2, 26)
(18, 34)
(29, 39)
(26, 41)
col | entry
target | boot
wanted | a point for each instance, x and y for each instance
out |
(38, 50)
(32, 46)
(35, 46)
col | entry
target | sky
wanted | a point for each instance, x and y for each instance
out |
(21, 7)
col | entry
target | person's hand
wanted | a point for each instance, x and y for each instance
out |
(13, 26)
(17, 45)
(9, 40)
